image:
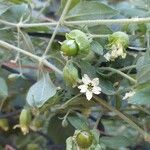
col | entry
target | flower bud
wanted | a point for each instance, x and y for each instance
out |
(118, 42)
(119, 37)
(70, 74)
(24, 120)
(4, 124)
(13, 76)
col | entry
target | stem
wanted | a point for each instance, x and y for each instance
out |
(119, 72)
(128, 67)
(27, 25)
(87, 22)
(143, 109)
(109, 21)
(57, 26)
(41, 60)
(122, 69)
(63, 106)
(121, 115)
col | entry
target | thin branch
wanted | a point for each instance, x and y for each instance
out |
(108, 21)
(38, 58)
(57, 26)
(119, 72)
(82, 22)
(122, 116)
(122, 69)
(27, 25)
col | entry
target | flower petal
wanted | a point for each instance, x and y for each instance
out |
(95, 81)
(83, 88)
(107, 56)
(89, 94)
(128, 95)
(85, 79)
(96, 90)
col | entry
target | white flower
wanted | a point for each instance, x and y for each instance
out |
(107, 56)
(116, 51)
(89, 87)
(128, 95)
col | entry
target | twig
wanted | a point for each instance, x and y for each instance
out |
(25, 52)
(122, 116)
(109, 21)
(87, 22)
(27, 25)
(57, 26)
(122, 69)
(119, 72)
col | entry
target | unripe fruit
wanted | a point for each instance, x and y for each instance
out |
(70, 74)
(4, 124)
(84, 139)
(69, 48)
(24, 120)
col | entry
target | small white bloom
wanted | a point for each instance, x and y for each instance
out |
(107, 56)
(128, 95)
(119, 52)
(89, 87)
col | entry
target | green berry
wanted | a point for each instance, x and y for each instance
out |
(84, 139)
(69, 48)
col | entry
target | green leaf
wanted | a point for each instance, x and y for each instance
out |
(55, 126)
(142, 95)
(63, 3)
(143, 68)
(90, 10)
(115, 142)
(16, 12)
(19, 1)
(3, 88)
(27, 43)
(107, 87)
(3, 8)
(144, 74)
(96, 135)
(87, 68)
(100, 147)
(99, 29)
(70, 144)
(6, 35)
(41, 91)
(78, 121)
(96, 48)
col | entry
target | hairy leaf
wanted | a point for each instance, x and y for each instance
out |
(41, 91)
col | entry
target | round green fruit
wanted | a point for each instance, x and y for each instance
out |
(69, 48)
(84, 139)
